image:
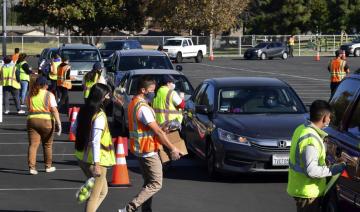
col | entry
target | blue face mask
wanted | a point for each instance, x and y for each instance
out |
(150, 96)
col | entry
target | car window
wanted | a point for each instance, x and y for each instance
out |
(81, 55)
(172, 43)
(112, 45)
(135, 45)
(272, 45)
(190, 42)
(354, 124)
(278, 45)
(185, 43)
(144, 62)
(261, 45)
(258, 99)
(43, 53)
(199, 94)
(343, 96)
(124, 81)
(208, 97)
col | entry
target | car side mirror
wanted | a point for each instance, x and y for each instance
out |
(202, 109)
(179, 68)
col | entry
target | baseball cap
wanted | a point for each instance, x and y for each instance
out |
(97, 66)
(41, 81)
(65, 58)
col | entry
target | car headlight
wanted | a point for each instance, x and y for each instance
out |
(232, 138)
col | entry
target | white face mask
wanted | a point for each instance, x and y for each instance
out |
(172, 86)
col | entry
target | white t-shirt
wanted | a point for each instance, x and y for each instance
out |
(176, 98)
(52, 100)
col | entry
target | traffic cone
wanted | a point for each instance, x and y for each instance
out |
(211, 57)
(317, 57)
(72, 115)
(120, 175)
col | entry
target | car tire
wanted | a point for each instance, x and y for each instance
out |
(263, 56)
(331, 202)
(211, 160)
(179, 57)
(199, 57)
(357, 52)
(284, 56)
(270, 58)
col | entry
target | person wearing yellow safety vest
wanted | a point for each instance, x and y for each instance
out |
(40, 123)
(91, 78)
(307, 166)
(291, 44)
(25, 72)
(145, 139)
(94, 147)
(54, 64)
(338, 69)
(64, 83)
(10, 85)
(167, 103)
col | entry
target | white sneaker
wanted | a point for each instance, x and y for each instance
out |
(21, 112)
(7, 112)
(122, 210)
(51, 169)
(33, 172)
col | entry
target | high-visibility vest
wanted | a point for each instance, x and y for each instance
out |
(53, 70)
(337, 70)
(39, 106)
(9, 76)
(89, 84)
(164, 107)
(15, 57)
(107, 154)
(301, 185)
(142, 138)
(23, 75)
(291, 41)
(61, 77)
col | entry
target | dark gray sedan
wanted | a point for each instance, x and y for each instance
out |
(267, 50)
(243, 124)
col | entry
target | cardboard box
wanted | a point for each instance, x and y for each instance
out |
(177, 141)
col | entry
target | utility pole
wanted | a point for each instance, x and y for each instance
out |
(4, 29)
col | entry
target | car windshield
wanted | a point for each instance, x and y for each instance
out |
(81, 55)
(52, 52)
(182, 83)
(112, 45)
(357, 40)
(173, 43)
(248, 100)
(144, 62)
(261, 45)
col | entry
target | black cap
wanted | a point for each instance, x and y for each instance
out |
(65, 58)
(97, 66)
(168, 78)
(41, 81)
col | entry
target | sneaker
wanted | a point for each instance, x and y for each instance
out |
(122, 210)
(33, 172)
(51, 169)
(7, 112)
(21, 112)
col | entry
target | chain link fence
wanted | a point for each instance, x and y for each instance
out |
(305, 45)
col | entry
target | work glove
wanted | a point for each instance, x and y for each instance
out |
(338, 168)
(59, 129)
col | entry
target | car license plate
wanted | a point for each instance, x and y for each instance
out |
(280, 160)
(73, 72)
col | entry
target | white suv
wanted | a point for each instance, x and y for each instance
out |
(352, 48)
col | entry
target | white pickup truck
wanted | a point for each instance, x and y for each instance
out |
(179, 48)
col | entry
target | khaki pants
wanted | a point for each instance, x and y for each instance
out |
(151, 170)
(40, 130)
(308, 204)
(100, 188)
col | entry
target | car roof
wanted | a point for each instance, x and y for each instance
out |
(177, 38)
(120, 41)
(154, 72)
(77, 46)
(140, 52)
(245, 81)
(355, 76)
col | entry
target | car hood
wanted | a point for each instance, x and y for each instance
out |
(106, 53)
(81, 66)
(252, 49)
(261, 126)
(171, 48)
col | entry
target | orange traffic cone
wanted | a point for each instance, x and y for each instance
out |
(317, 57)
(72, 116)
(211, 57)
(120, 175)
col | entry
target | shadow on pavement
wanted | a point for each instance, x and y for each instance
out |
(18, 211)
(72, 181)
(67, 162)
(15, 171)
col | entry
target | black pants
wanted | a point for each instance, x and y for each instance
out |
(64, 99)
(291, 51)
(333, 87)
(15, 94)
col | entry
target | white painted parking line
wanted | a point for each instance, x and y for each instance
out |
(48, 189)
(18, 133)
(25, 155)
(264, 72)
(5, 124)
(27, 143)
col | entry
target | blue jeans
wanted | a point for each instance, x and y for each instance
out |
(23, 91)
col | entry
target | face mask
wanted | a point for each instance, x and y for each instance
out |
(326, 125)
(172, 86)
(271, 102)
(150, 96)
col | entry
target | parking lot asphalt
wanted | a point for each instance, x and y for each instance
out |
(186, 185)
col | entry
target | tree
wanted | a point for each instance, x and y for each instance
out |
(339, 15)
(319, 16)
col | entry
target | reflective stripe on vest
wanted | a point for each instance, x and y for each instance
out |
(300, 184)
(9, 76)
(142, 139)
(39, 106)
(89, 84)
(164, 107)
(107, 154)
(53, 72)
(337, 70)
(23, 75)
(61, 75)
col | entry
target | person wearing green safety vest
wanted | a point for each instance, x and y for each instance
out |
(91, 78)
(94, 149)
(168, 104)
(54, 64)
(11, 85)
(307, 167)
(25, 72)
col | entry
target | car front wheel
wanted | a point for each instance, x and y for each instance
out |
(263, 56)
(284, 56)
(211, 160)
(357, 52)
(199, 57)
(179, 57)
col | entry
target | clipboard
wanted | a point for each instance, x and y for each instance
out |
(331, 183)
